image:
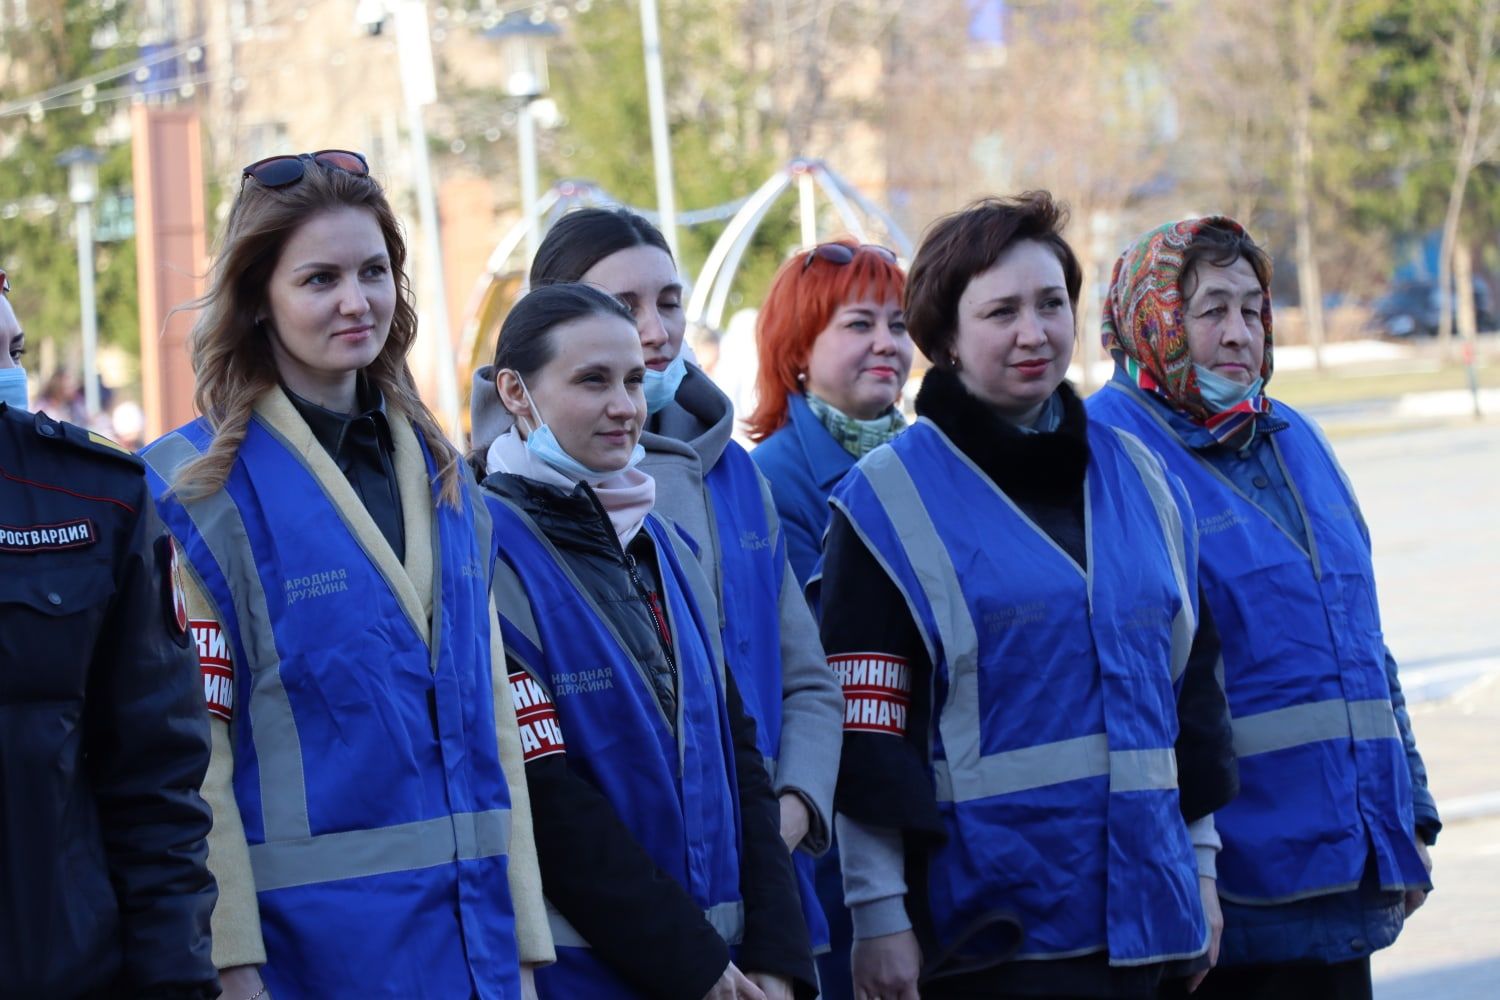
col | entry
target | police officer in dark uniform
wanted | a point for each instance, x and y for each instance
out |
(104, 887)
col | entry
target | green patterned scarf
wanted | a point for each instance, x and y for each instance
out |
(857, 437)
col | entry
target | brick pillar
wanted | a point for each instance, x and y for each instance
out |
(172, 255)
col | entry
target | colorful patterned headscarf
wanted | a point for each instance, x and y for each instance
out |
(1144, 328)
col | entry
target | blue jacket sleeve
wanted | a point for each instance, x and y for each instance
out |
(1423, 805)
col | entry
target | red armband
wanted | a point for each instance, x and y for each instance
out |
(217, 667)
(877, 692)
(536, 718)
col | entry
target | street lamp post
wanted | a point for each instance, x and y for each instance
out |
(523, 53)
(661, 142)
(419, 88)
(83, 189)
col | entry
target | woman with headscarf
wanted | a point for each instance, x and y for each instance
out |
(1325, 850)
(1034, 735)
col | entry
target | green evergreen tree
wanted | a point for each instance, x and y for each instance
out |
(61, 41)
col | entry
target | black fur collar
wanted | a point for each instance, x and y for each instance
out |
(1046, 467)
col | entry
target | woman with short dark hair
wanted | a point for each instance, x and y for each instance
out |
(1035, 738)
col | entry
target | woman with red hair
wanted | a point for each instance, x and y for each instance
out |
(834, 355)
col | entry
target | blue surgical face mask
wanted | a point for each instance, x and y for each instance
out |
(13, 388)
(661, 386)
(1221, 393)
(542, 443)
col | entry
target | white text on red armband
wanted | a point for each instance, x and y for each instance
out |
(877, 692)
(536, 718)
(217, 667)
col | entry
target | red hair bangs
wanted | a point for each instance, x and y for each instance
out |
(801, 303)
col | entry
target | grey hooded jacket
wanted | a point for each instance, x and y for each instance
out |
(682, 444)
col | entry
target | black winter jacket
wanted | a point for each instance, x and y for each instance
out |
(638, 919)
(104, 889)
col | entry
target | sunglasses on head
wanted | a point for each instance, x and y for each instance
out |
(840, 254)
(279, 171)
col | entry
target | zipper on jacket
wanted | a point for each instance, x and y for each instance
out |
(642, 591)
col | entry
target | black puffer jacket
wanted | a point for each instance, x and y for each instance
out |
(641, 921)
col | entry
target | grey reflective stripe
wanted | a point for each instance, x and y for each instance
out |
(278, 749)
(364, 853)
(729, 920)
(513, 604)
(1065, 760)
(726, 918)
(1298, 725)
(1153, 474)
(703, 594)
(958, 721)
(770, 763)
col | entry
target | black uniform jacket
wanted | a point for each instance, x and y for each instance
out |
(638, 919)
(104, 890)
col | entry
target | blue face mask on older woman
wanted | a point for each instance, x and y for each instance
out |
(1221, 393)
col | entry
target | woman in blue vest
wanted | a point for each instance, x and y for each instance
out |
(1325, 850)
(707, 485)
(1034, 735)
(834, 356)
(657, 831)
(366, 779)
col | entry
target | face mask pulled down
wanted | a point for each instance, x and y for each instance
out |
(543, 444)
(1221, 393)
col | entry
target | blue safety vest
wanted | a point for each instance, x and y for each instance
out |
(1054, 689)
(1323, 773)
(752, 567)
(365, 761)
(672, 782)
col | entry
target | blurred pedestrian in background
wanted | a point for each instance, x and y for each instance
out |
(104, 887)
(1325, 850)
(1035, 739)
(371, 824)
(657, 829)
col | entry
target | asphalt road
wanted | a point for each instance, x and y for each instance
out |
(1432, 500)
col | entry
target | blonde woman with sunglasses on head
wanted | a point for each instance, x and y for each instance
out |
(371, 830)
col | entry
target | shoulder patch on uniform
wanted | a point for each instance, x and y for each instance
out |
(173, 597)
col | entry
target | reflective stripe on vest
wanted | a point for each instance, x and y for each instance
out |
(291, 856)
(967, 774)
(283, 792)
(1335, 719)
(728, 919)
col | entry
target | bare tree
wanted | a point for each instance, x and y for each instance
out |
(1468, 78)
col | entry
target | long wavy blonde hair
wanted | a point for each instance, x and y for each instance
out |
(231, 354)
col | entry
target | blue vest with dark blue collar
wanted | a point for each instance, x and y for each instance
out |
(672, 782)
(366, 768)
(1324, 781)
(1054, 688)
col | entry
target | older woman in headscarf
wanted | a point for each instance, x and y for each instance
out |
(1325, 850)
